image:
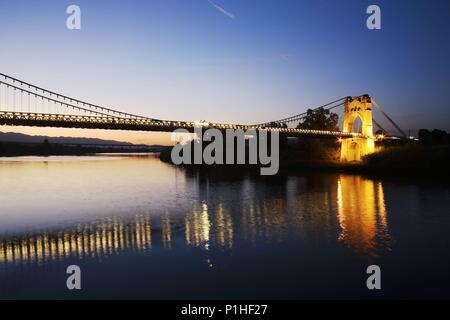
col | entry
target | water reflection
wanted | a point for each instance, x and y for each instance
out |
(201, 225)
(362, 214)
(98, 239)
(342, 208)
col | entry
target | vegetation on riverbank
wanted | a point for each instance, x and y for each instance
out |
(431, 154)
(410, 158)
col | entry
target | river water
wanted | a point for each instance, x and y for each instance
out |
(141, 228)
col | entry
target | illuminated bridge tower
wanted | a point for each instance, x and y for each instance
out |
(353, 149)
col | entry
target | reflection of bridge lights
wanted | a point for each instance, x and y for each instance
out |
(362, 214)
(97, 239)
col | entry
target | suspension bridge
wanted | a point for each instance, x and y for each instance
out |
(26, 104)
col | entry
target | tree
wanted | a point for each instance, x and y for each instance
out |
(425, 136)
(320, 119)
(434, 137)
(311, 148)
(439, 136)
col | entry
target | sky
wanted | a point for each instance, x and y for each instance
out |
(233, 61)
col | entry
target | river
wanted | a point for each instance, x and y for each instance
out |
(141, 228)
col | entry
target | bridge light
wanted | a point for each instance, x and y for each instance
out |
(201, 123)
(340, 140)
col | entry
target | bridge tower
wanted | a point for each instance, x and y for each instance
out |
(353, 149)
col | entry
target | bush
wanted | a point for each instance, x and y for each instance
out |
(411, 157)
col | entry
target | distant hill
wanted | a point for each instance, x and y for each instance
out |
(24, 138)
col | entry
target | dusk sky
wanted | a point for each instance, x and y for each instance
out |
(236, 61)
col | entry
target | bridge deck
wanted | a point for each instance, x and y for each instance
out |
(140, 124)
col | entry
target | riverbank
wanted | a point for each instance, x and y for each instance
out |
(410, 159)
(17, 149)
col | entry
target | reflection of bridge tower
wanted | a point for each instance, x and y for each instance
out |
(362, 214)
(352, 149)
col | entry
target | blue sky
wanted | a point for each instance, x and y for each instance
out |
(188, 60)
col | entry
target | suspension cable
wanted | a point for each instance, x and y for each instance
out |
(389, 118)
(84, 103)
(302, 115)
(379, 126)
(36, 95)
